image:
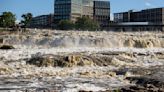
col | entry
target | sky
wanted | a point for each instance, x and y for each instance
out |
(39, 7)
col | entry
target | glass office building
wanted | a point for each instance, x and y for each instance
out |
(144, 20)
(102, 12)
(72, 9)
(153, 15)
(42, 21)
(67, 9)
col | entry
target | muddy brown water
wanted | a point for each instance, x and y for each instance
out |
(68, 61)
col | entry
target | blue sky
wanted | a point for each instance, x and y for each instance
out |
(38, 7)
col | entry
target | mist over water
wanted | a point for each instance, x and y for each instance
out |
(87, 39)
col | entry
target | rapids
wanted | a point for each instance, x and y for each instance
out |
(66, 39)
(72, 61)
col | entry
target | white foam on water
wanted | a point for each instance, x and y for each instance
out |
(86, 87)
(37, 43)
(17, 54)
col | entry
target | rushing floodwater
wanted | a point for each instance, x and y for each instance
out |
(72, 61)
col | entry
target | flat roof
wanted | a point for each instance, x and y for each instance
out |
(133, 10)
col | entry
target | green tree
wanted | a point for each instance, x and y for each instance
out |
(26, 19)
(65, 25)
(7, 19)
(85, 23)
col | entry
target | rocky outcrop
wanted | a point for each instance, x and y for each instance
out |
(61, 61)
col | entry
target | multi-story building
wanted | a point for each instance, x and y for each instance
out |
(102, 12)
(154, 15)
(148, 19)
(87, 8)
(72, 9)
(42, 21)
(67, 9)
(123, 16)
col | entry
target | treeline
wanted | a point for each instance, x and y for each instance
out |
(82, 23)
(8, 19)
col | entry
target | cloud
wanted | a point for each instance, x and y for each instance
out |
(148, 4)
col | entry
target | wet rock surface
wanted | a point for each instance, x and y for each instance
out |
(102, 71)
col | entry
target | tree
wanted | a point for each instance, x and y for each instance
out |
(65, 25)
(85, 23)
(7, 19)
(26, 19)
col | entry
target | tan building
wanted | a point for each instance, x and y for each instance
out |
(88, 11)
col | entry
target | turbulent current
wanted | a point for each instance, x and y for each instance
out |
(46, 38)
(79, 61)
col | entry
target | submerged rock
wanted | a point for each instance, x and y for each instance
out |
(6, 47)
(41, 61)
